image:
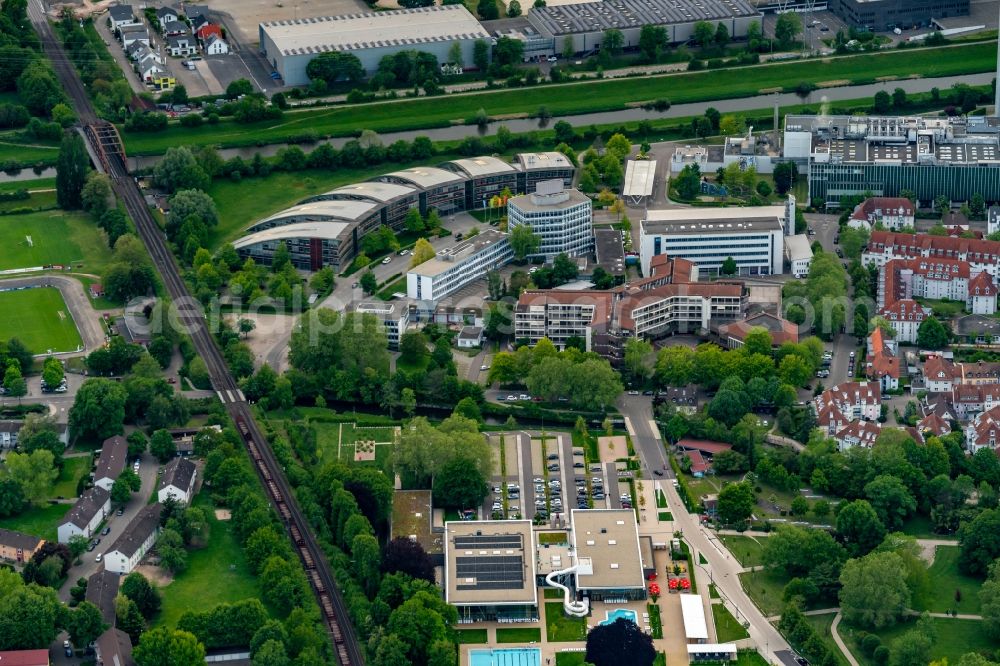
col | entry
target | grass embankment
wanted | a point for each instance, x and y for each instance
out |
(16, 147)
(748, 551)
(576, 98)
(822, 624)
(727, 628)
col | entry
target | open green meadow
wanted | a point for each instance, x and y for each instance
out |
(16, 147)
(73, 468)
(954, 638)
(749, 551)
(215, 574)
(577, 97)
(727, 627)
(56, 237)
(40, 521)
(949, 589)
(40, 318)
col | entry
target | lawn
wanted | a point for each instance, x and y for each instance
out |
(570, 658)
(575, 98)
(920, 526)
(40, 318)
(518, 635)
(748, 551)
(551, 537)
(36, 201)
(945, 580)
(765, 588)
(470, 636)
(30, 185)
(943, 309)
(40, 521)
(329, 434)
(822, 624)
(69, 477)
(562, 628)
(215, 574)
(727, 628)
(954, 638)
(57, 237)
(16, 147)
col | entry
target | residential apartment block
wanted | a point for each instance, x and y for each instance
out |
(133, 544)
(892, 213)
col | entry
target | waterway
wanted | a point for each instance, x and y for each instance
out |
(523, 125)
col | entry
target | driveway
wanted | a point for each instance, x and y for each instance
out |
(117, 524)
(724, 568)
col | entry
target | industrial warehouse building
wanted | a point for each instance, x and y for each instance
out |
(327, 229)
(586, 22)
(882, 156)
(888, 14)
(289, 45)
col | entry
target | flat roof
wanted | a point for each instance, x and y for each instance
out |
(545, 160)
(324, 230)
(711, 648)
(411, 518)
(424, 176)
(798, 247)
(538, 203)
(607, 549)
(450, 257)
(341, 209)
(372, 190)
(610, 250)
(619, 14)
(484, 165)
(699, 214)
(639, 178)
(353, 32)
(489, 563)
(713, 220)
(693, 612)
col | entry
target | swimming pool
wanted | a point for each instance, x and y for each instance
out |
(622, 613)
(506, 657)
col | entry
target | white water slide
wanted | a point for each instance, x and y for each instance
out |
(571, 606)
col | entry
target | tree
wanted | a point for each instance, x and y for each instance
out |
(794, 371)
(180, 170)
(488, 10)
(989, 598)
(731, 125)
(72, 164)
(29, 615)
(977, 206)
(335, 66)
(911, 649)
(729, 266)
(422, 251)
(84, 624)
(162, 445)
(979, 542)
(613, 41)
(52, 371)
(784, 176)
(468, 408)
(882, 102)
(874, 591)
(368, 282)
(932, 334)
(638, 359)
(652, 40)
(736, 503)
(168, 647)
(136, 587)
(787, 28)
(459, 485)
(96, 196)
(721, 34)
(523, 241)
(891, 500)
(245, 325)
(704, 33)
(13, 382)
(270, 653)
(513, 9)
(621, 642)
(859, 527)
(33, 472)
(481, 54)
(688, 182)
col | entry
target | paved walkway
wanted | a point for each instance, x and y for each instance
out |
(840, 641)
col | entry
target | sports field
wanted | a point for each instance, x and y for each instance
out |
(39, 318)
(51, 237)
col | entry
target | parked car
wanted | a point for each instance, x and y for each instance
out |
(387, 259)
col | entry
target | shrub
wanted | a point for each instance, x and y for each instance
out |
(881, 655)
(870, 643)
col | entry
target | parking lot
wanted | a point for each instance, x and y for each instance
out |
(546, 478)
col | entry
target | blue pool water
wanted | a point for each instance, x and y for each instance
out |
(506, 657)
(621, 613)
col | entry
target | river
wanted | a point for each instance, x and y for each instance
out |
(518, 126)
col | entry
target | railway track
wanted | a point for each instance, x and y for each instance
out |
(106, 145)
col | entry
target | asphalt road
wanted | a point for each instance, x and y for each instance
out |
(723, 569)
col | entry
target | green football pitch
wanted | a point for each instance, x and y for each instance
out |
(39, 318)
(49, 237)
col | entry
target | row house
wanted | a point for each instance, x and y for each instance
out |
(884, 246)
(969, 400)
(939, 374)
(847, 431)
(138, 538)
(889, 212)
(884, 366)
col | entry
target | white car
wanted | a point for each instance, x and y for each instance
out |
(387, 259)
(98, 558)
(485, 367)
(552, 58)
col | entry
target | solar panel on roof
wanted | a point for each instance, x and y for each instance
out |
(490, 572)
(473, 541)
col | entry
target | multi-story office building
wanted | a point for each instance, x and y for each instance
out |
(395, 316)
(327, 229)
(457, 266)
(751, 236)
(561, 218)
(882, 156)
(889, 14)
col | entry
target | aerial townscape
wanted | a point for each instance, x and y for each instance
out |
(500, 333)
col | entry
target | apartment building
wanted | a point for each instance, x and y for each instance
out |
(983, 431)
(394, 315)
(892, 213)
(905, 317)
(884, 246)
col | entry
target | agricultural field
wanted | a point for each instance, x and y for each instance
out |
(569, 99)
(40, 318)
(51, 237)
